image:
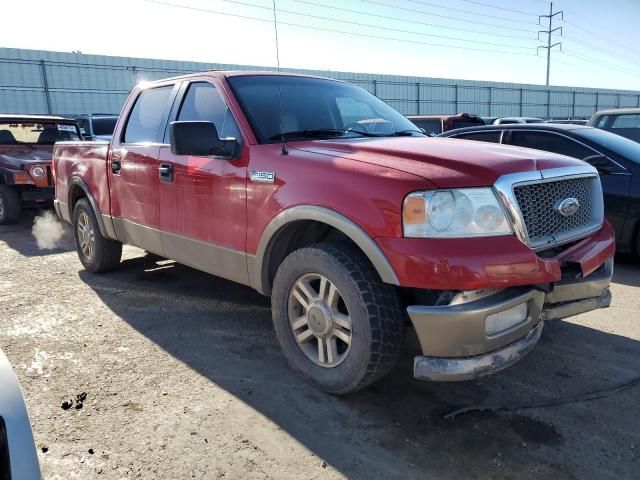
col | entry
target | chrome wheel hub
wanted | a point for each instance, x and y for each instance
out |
(86, 236)
(319, 320)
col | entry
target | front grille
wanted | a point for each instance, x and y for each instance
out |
(538, 203)
(49, 175)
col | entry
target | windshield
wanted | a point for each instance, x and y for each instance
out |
(40, 133)
(314, 108)
(615, 143)
(104, 125)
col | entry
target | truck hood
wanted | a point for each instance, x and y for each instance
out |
(448, 163)
(19, 157)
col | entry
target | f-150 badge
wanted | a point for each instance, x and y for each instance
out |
(263, 177)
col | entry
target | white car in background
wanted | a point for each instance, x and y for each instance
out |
(18, 456)
(516, 120)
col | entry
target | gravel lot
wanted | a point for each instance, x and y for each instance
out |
(184, 379)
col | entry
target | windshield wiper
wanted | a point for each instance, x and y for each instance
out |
(406, 133)
(317, 133)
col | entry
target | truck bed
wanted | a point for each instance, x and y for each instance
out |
(82, 162)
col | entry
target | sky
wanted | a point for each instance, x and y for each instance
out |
(493, 40)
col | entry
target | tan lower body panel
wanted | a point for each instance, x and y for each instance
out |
(207, 257)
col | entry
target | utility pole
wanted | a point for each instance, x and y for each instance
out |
(549, 32)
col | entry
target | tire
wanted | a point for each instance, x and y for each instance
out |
(99, 254)
(10, 206)
(371, 306)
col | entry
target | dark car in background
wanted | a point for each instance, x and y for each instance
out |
(621, 121)
(26, 144)
(97, 126)
(436, 124)
(616, 158)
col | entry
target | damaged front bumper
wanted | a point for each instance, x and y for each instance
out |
(483, 333)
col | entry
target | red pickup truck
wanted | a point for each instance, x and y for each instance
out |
(356, 224)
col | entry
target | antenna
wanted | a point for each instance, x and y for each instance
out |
(275, 26)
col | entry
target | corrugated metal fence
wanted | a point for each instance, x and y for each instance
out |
(34, 81)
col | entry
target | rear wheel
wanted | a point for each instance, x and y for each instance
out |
(339, 326)
(10, 207)
(97, 253)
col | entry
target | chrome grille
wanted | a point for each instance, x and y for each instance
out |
(538, 203)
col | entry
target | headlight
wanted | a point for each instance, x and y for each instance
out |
(466, 212)
(37, 172)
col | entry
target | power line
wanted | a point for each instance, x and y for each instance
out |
(415, 22)
(590, 46)
(602, 37)
(368, 25)
(600, 62)
(574, 65)
(500, 8)
(421, 2)
(308, 27)
(457, 19)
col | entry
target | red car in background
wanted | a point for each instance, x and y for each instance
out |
(26, 145)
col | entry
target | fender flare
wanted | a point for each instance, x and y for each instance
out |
(77, 181)
(323, 215)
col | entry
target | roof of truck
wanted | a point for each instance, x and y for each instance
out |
(42, 118)
(240, 73)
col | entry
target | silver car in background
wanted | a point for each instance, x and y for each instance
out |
(18, 456)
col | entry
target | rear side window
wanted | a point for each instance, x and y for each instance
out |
(203, 102)
(492, 137)
(626, 121)
(550, 142)
(147, 114)
(431, 126)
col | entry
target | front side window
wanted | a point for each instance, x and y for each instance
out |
(626, 121)
(24, 132)
(550, 142)
(145, 118)
(492, 137)
(203, 102)
(302, 107)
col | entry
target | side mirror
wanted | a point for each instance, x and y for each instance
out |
(201, 139)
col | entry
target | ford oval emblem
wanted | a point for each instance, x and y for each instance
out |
(568, 207)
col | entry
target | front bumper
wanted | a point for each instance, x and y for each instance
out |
(38, 195)
(454, 338)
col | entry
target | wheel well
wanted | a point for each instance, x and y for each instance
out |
(75, 193)
(297, 235)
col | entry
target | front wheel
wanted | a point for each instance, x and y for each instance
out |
(97, 253)
(339, 326)
(10, 206)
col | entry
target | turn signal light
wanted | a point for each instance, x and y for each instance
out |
(20, 177)
(414, 211)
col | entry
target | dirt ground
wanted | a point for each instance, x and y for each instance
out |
(184, 379)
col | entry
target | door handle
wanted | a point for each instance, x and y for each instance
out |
(116, 163)
(165, 172)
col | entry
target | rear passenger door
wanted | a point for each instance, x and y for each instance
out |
(133, 169)
(203, 203)
(615, 182)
